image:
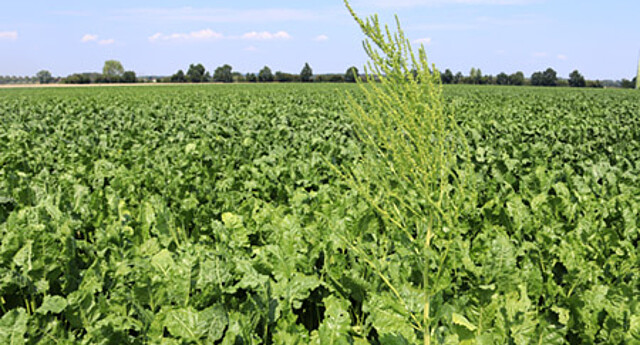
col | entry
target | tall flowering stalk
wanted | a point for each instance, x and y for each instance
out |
(409, 175)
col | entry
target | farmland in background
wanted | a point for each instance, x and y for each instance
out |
(209, 213)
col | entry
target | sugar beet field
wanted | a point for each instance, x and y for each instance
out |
(220, 214)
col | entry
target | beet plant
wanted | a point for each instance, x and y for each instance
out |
(410, 174)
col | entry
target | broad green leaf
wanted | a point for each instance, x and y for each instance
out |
(163, 261)
(52, 304)
(13, 327)
(336, 326)
(189, 324)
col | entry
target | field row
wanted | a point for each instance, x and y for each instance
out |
(213, 214)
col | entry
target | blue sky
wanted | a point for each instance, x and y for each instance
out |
(599, 38)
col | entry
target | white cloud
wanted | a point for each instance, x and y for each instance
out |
(562, 57)
(321, 38)
(265, 35)
(9, 35)
(106, 42)
(88, 38)
(155, 37)
(217, 15)
(540, 55)
(202, 35)
(426, 41)
(250, 49)
(208, 35)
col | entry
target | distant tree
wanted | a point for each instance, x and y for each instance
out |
(472, 75)
(112, 68)
(458, 78)
(129, 77)
(44, 77)
(81, 78)
(576, 79)
(447, 77)
(549, 77)
(516, 78)
(636, 81)
(594, 83)
(351, 75)
(238, 77)
(265, 75)
(475, 76)
(306, 74)
(223, 74)
(502, 79)
(537, 79)
(627, 84)
(477, 79)
(251, 77)
(337, 78)
(179, 77)
(282, 77)
(196, 73)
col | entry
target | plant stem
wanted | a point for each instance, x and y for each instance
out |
(4, 310)
(427, 304)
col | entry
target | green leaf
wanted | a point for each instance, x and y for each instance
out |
(13, 327)
(299, 288)
(335, 328)
(24, 257)
(460, 320)
(563, 315)
(163, 261)
(216, 317)
(191, 147)
(52, 304)
(634, 329)
(191, 325)
(231, 221)
(389, 318)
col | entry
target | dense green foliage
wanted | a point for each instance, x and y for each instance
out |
(204, 214)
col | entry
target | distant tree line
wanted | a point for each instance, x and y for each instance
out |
(548, 77)
(197, 73)
(114, 72)
(37, 79)
(13, 79)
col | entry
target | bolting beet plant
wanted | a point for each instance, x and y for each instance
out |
(412, 176)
